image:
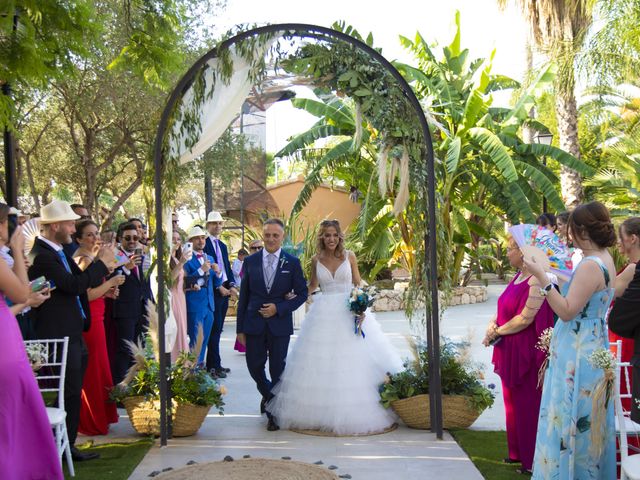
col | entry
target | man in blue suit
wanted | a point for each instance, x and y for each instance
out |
(218, 250)
(273, 286)
(201, 276)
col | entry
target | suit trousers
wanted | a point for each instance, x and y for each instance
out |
(77, 358)
(213, 347)
(261, 347)
(196, 318)
(127, 328)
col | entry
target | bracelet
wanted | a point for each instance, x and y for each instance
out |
(544, 291)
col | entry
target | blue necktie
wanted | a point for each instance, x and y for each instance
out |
(63, 257)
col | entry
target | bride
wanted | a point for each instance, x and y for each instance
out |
(331, 379)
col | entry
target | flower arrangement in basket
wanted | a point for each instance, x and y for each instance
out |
(37, 355)
(465, 396)
(193, 390)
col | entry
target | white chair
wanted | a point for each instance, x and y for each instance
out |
(623, 373)
(51, 379)
(629, 464)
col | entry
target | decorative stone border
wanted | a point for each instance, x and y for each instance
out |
(391, 300)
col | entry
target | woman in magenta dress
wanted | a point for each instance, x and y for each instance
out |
(27, 446)
(97, 412)
(178, 301)
(522, 316)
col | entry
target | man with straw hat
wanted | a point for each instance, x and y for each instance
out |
(66, 313)
(201, 276)
(217, 249)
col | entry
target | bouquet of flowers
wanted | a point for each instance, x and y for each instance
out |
(37, 354)
(359, 301)
(544, 345)
(601, 358)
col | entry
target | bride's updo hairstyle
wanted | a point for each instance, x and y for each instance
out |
(339, 252)
(592, 221)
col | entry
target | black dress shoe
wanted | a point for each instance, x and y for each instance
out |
(221, 373)
(272, 426)
(79, 456)
(225, 369)
(263, 405)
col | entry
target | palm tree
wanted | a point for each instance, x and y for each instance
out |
(558, 28)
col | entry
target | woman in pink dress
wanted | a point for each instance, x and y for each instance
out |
(523, 314)
(97, 412)
(178, 301)
(27, 446)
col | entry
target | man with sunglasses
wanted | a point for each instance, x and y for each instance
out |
(129, 309)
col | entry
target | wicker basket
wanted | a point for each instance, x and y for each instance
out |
(456, 411)
(144, 415)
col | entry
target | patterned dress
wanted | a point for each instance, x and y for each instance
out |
(564, 427)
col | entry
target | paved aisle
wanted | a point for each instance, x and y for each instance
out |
(404, 453)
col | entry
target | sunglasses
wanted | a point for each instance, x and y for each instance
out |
(330, 222)
(128, 238)
(255, 248)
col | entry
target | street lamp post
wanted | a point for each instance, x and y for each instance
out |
(544, 138)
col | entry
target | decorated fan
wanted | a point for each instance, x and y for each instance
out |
(545, 247)
(121, 258)
(30, 230)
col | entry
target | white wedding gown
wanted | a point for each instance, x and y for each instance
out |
(332, 375)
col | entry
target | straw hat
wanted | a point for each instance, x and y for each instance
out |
(197, 232)
(57, 211)
(214, 217)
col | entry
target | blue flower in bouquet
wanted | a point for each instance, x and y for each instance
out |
(359, 300)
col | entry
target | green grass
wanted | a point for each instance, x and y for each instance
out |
(117, 461)
(486, 450)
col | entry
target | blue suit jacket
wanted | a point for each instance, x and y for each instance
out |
(210, 249)
(253, 294)
(203, 298)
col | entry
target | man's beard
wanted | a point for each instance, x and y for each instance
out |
(63, 238)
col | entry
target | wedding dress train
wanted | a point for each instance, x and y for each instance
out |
(332, 376)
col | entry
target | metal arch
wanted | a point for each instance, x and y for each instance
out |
(312, 31)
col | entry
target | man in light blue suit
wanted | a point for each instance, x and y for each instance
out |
(201, 276)
(273, 286)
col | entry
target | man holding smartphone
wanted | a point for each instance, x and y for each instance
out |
(66, 313)
(218, 250)
(202, 276)
(129, 309)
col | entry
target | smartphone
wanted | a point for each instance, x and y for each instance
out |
(107, 236)
(38, 284)
(51, 285)
(187, 246)
(138, 251)
(495, 341)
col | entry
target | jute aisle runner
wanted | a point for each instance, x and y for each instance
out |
(251, 469)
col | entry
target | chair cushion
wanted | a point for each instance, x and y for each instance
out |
(631, 467)
(56, 416)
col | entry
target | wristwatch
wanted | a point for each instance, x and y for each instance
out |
(544, 291)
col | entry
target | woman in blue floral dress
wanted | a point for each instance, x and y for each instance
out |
(564, 445)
